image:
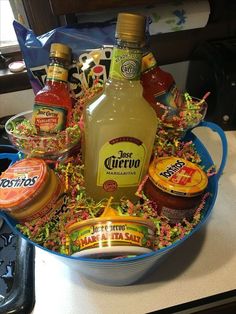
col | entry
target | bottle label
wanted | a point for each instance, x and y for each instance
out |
(56, 72)
(170, 97)
(49, 119)
(120, 164)
(148, 62)
(125, 64)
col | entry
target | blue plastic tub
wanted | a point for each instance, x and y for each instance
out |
(125, 271)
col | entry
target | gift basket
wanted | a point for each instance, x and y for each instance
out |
(128, 270)
(45, 195)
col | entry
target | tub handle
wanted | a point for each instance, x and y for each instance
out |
(216, 128)
(13, 157)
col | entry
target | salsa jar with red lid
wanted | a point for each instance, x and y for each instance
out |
(29, 189)
(177, 186)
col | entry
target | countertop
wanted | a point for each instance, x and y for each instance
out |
(202, 266)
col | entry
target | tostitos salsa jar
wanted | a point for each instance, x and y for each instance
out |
(177, 186)
(29, 190)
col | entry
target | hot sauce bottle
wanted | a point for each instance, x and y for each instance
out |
(159, 87)
(120, 125)
(52, 106)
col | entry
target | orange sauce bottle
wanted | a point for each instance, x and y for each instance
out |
(52, 107)
(159, 86)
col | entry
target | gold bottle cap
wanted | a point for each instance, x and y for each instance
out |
(60, 51)
(131, 27)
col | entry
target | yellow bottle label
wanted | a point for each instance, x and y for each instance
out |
(120, 164)
(57, 72)
(125, 64)
(50, 119)
(148, 62)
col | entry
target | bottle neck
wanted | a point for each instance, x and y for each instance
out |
(57, 71)
(126, 61)
(128, 44)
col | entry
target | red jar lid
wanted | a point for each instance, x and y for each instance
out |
(21, 182)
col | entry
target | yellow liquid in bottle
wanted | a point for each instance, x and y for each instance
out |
(120, 128)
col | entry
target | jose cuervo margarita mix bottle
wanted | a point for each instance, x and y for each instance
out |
(120, 125)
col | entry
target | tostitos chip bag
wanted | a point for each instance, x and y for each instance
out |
(91, 46)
